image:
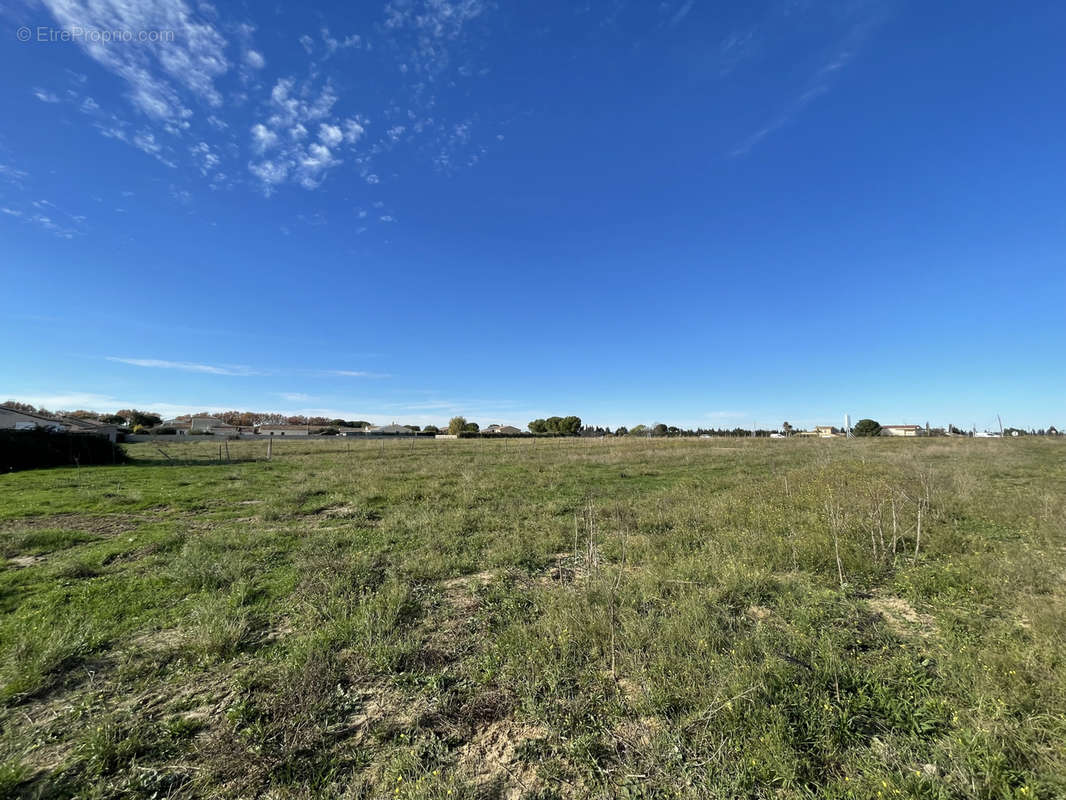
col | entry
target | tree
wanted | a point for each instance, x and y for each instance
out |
(431, 429)
(145, 419)
(113, 419)
(867, 427)
(25, 408)
(639, 430)
(82, 414)
(538, 426)
(570, 425)
(471, 427)
(786, 428)
(456, 425)
(621, 430)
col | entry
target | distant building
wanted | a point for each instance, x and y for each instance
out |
(284, 430)
(13, 419)
(391, 429)
(825, 431)
(198, 425)
(506, 430)
(23, 421)
(901, 430)
(92, 426)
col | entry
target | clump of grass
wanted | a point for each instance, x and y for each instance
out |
(38, 652)
(13, 775)
(209, 563)
(81, 568)
(37, 542)
(222, 625)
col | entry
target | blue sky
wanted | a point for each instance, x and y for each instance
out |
(706, 214)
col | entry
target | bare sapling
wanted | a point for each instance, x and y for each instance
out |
(895, 527)
(833, 514)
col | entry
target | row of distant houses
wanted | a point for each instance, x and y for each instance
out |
(213, 425)
(13, 419)
(828, 431)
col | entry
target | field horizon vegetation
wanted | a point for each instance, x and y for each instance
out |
(547, 618)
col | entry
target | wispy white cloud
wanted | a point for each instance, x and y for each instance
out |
(186, 366)
(156, 71)
(206, 156)
(45, 96)
(862, 20)
(678, 16)
(428, 27)
(47, 216)
(254, 59)
(283, 140)
(355, 373)
(13, 175)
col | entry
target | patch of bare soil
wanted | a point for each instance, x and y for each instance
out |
(456, 589)
(21, 562)
(900, 615)
(111, 524)
(758, 613)
(489, 760)
(340, 512)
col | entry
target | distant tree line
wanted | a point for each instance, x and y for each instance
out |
(551, 426)
(560, 426)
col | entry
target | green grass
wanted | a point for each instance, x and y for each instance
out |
(549, 619)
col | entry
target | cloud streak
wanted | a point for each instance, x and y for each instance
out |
(354, 373)
(820, 81)
(187, 366)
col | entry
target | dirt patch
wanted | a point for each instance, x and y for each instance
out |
(109, 525)
(638, 734)
(454, 587)
(21, 562)
(489, 760)
(340, 512)
(900, 615)
(157, 641)
(758, 613)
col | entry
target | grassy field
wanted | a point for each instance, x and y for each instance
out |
(559, 618)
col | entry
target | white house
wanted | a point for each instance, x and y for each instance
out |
(205, 424)
(284, 430)
(901, 430)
